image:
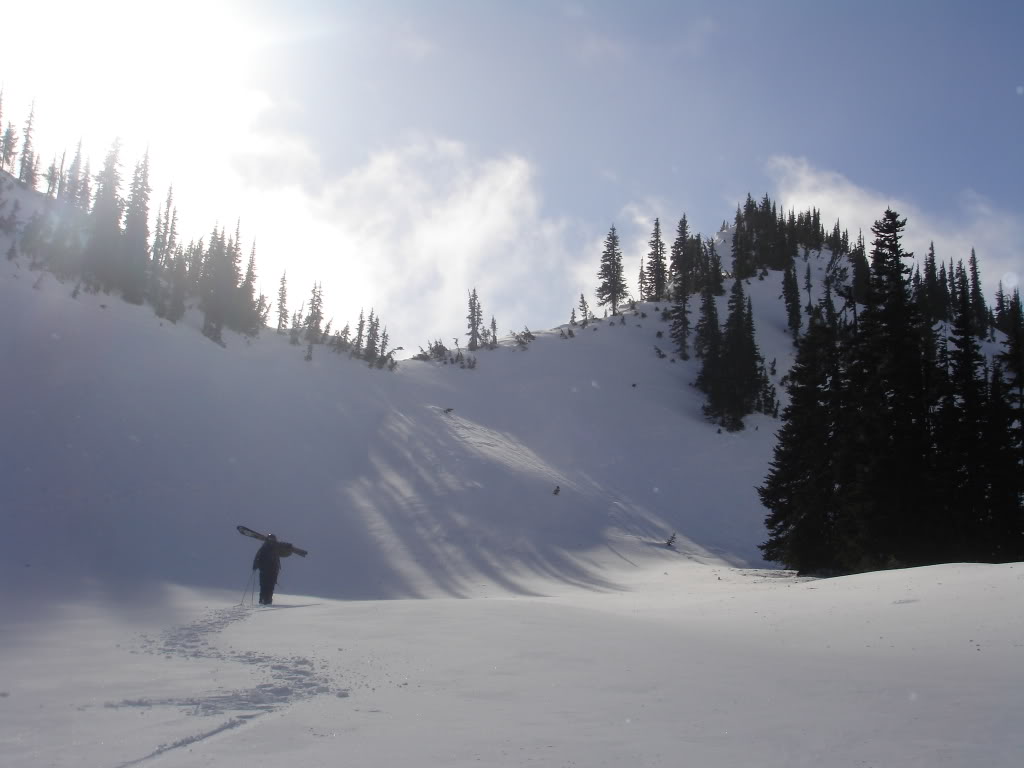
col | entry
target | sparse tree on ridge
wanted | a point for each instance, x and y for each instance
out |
(612, 289)
(8, 147)
(282, 302)
(584, 311)
(657, 271)
(27, 169)
(474, 321)
(314, 320)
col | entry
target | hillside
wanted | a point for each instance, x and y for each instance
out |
(133, 446)
(138, 445)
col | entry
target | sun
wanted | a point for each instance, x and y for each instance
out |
(171, 79)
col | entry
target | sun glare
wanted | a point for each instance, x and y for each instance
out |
(171, 79)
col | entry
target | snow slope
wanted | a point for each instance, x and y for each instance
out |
(131, 448)
(134, 447)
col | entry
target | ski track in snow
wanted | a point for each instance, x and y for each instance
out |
(286, 679)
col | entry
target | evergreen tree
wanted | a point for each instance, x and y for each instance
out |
(217, 285)
(961, 430)
(708, 342)
(474, 320)
(861, 271)
(357, 342)
(282, 302)
(713, 270)
(679, 267)
(791, 297)
(27, 169)
(372, 338)
(73, 181)
(584, 311)
(252, 307)
(179, 286)
(52, 179)
(135, 242)
(978, 307)
(679, 314)
(494, 332)
(742, 243)
(655, 278)
(734, 389)
(314, 320)
(801, 488)
(8, 148)
(887, 388)
(612, 289)
(105, 236)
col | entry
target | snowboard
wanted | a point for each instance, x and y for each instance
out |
(284, 548)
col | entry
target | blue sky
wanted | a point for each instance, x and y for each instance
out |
(404, 152)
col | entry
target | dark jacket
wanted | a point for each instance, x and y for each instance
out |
(268, 559)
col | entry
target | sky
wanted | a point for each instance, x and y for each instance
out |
(402, 153)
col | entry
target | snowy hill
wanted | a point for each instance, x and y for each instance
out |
(138, 446)
(132, 447)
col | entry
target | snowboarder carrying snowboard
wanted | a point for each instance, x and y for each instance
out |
(268, 561)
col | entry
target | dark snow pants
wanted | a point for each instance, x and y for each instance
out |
(268, 580)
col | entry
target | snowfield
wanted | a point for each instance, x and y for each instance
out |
(453, 609)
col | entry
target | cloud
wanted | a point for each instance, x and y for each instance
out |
(411, 230)
(996, 234)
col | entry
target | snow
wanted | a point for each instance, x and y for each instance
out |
(453, 610)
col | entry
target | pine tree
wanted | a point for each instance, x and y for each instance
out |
(27, 169)
(978, 307)
(961, 431)
(474, 321)
(801, 488)
(8, 147)
(707, 343)
(612, 289)
(677, 266)
(372, 338)
(73, 181)
(135, 242)
(282, 302)
(314, 320)
(656, 277)
(357, 342)
(584, 312)
(494, 332)
(105, 237)
(887, 389)
(179, 285)
(734, 389)
(52, 179)
(791, 297)
(252, 308)
(218, 284)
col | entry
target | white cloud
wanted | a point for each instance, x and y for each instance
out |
(996, 235)
(413, 228)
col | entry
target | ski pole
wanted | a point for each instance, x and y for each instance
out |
(246, 590)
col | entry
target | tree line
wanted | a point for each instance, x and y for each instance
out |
(92, 231)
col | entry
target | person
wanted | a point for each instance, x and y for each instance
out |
(268, 561)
